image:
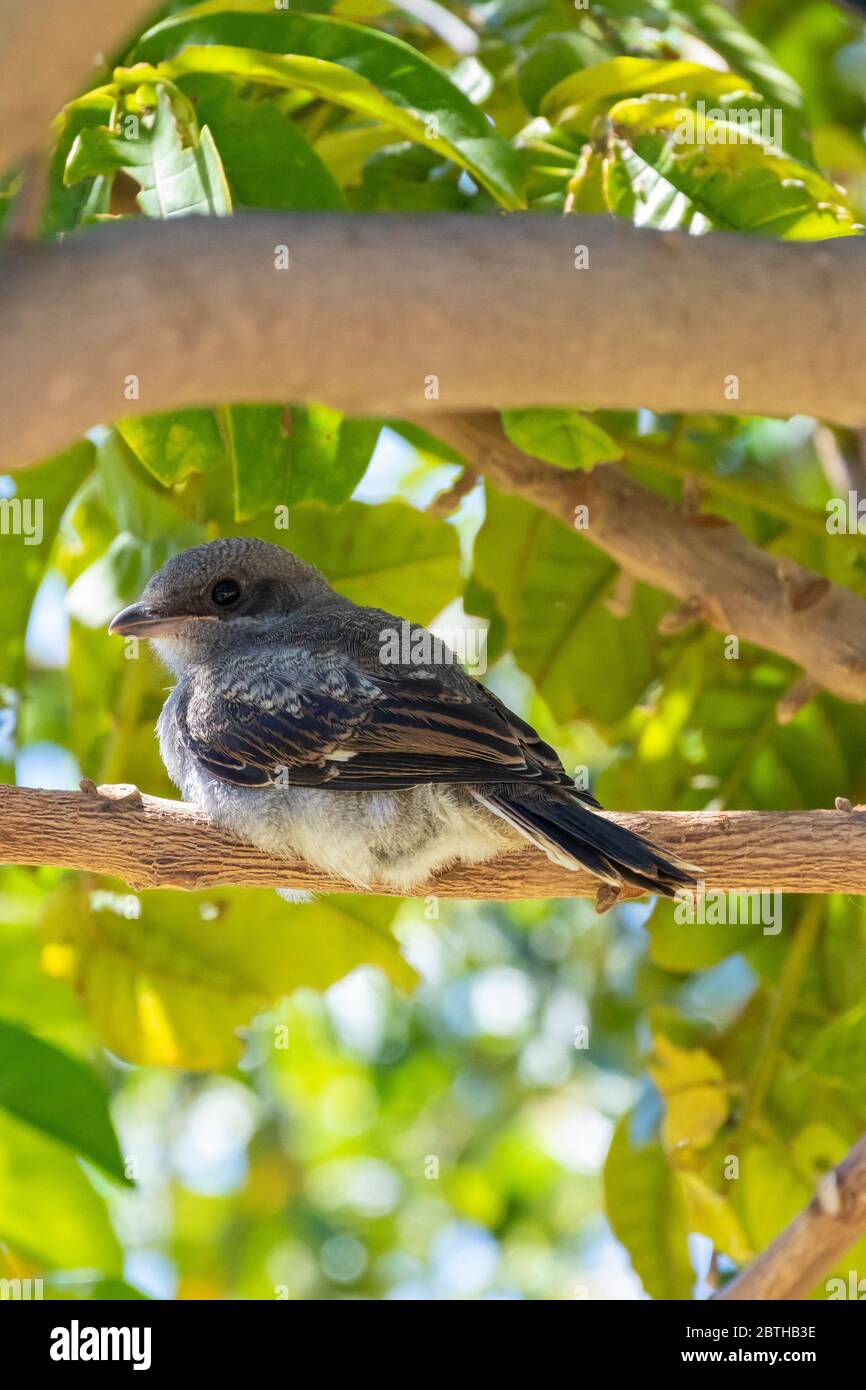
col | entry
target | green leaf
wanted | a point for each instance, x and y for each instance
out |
(280, 456)
(49, 1211)
(843, 950)
(330, 453)
(684, 946)
(579, 98)
(172, 986)
(410, 178)
(838, 1053)
(175, 444)
(74, 1289)
(710, 1214)
(361, 68)
(28, 998)
(66, 208)
(427, 445)
(175, 179)
(711, 734)
(59, 1096)
(266, 159)
(564, 437)
(148, 528)
(746, 54)
(819, 1147)
(553, 59)
(345, 151)
(769, 1192)
(553, 589)
(646, 1210)
(388, 556)
(587, 188)
(260, 449)
(720, 179)
(44, 493)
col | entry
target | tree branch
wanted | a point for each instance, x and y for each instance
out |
(46, 50)
(373, 308)
(720, 577)
(152, 843)
(810, 1247)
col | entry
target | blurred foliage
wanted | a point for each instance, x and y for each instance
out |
(365, 1098)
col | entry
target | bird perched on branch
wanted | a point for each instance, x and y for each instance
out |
(292, 726)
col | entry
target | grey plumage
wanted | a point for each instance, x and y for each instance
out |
(289, 727)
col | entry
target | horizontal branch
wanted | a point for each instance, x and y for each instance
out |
(721, 578)
(152, 843)
(46, 51)
(809, 1248)
(394, 314)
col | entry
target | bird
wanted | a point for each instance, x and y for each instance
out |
(293, 725)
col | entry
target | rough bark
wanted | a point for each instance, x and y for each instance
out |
(389, 314)
(152, 843)
(46, 51)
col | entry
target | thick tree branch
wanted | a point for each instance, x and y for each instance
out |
(46, 50)
(810, 1247)
(378, 314)
(151, 843)
(720, 577)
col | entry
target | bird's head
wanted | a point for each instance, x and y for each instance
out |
(208, 597)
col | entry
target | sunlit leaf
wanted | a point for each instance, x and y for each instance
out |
(768, 1193)
(41, 496)
(49, 1211)
(388, 556)
(65, 206)
(368, 71)
(578, 98)
(564, 437)
(711, 1214)
(553, 59)
(552, 587)
(692, 1086)
(682, 945)
(267, 161)
(281, 456)
(176, 444)
(715, 176)
(175, 179)
(646, 1208)
(172, 985)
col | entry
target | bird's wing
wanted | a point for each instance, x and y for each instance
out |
(324, 722)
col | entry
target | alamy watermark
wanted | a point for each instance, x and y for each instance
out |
(415, 646)
(77, 1343)
(729, 125)
(718, 908)
(20, 1290)
(854, 1288)
(22, 516)
(846, 516)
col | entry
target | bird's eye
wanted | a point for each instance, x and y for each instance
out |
(225, 592)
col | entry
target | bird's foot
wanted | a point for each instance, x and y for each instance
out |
(843, 804)
(607, 897)
(112, 793)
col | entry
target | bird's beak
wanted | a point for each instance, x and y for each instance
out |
(140, 621)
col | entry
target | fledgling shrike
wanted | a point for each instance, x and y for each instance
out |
(288, 727)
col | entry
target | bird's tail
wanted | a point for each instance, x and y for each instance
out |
(571, 834)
